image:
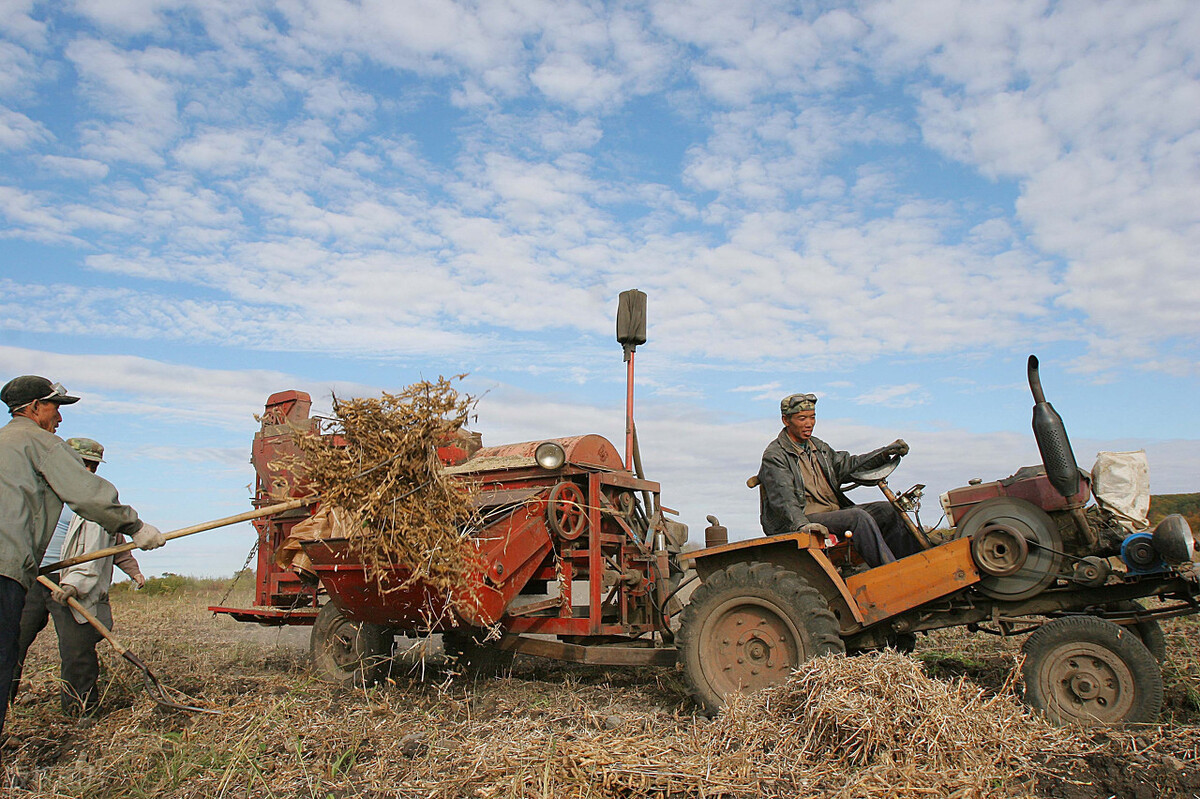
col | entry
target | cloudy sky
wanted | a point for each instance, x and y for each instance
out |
(891, 204)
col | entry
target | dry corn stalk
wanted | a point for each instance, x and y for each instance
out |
(382, 468)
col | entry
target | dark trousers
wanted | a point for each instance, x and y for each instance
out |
(76, 647)
(878, 534)
(12, 602)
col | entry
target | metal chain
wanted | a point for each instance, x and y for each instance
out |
(238, 576)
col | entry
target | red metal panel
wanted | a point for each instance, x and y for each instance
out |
(1035, 488)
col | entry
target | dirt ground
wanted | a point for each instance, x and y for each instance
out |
(544, 729)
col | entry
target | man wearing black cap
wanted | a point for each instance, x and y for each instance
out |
(38, 473)
(800, 488)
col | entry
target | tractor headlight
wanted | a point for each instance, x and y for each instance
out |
(1173, 539)
(550, 455)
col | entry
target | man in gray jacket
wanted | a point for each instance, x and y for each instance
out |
(38, 473)
(800, 482)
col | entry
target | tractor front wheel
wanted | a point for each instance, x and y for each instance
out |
(347, 652)
(1081, 669)
(747, 627)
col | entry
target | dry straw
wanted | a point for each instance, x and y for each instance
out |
(381, 467)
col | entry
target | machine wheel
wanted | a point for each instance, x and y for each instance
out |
(1149, 630)
(1016, 546)
(472, 655)
(347, 652)
(1081, 669)
(748, 626)
(566, 511)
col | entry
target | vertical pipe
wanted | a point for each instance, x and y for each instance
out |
(595, 555)
(629, 410)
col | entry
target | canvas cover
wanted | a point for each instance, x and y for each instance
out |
(1121, 483)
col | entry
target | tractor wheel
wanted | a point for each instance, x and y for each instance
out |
(1148, 630)
(347, 652)
(748, 626)
(1081, 669)
(470, 653)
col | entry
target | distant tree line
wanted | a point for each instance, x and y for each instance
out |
(1187, 505)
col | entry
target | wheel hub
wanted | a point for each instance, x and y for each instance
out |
(999, 550)
(753, 646)
(1088, 683)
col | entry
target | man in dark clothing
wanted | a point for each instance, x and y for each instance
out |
(800, 488)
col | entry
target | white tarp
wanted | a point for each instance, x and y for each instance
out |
(1121, 483)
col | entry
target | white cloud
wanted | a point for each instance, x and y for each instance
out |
(19, 132)
(137, 91)
(84, 168)
(17, 23)
(128, 16)
(904, 396)
(1093, 107)
(568, 79)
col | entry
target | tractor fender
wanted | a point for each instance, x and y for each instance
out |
(797, 552)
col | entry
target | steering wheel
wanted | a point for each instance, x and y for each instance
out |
(873, 476)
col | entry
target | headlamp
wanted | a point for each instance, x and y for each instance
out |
(550, 455)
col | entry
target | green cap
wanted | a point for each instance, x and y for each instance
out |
(794, 403)
(88, 449)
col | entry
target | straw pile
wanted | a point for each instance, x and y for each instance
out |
(403, 511)
(879, 721)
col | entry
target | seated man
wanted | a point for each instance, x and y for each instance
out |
(799, 488)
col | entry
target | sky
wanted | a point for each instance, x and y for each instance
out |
(890, 204)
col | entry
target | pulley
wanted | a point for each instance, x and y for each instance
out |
(1003, 528)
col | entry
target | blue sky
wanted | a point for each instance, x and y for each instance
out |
(888, 203)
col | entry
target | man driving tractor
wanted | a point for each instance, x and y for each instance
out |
(800, 482)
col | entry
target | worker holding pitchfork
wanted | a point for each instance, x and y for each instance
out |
(89, 583)
(38, 474)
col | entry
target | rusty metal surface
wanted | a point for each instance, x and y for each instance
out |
(588, 450)
(893, 588)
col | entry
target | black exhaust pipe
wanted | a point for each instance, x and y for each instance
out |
(1061, 467)
(1052, 441)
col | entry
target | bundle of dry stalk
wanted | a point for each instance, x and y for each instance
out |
(385, 474)
(888, 727)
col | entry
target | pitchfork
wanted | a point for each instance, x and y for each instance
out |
(153, 686)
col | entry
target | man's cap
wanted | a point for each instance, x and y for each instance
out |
(27, 389)
(794, 403)
(88, 449)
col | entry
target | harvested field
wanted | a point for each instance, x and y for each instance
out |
(944, 723)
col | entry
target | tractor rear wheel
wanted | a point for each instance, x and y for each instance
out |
(347, 652)
(747, 627)
(1081, 669)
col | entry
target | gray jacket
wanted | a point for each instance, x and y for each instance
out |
(781, 484)
(38, 473)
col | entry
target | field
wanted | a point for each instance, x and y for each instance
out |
(944, 722)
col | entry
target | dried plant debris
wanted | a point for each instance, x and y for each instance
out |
(380, 466)
(884, 724)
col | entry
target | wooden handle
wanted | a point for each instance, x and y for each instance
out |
(92, 620)
(249, 515)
